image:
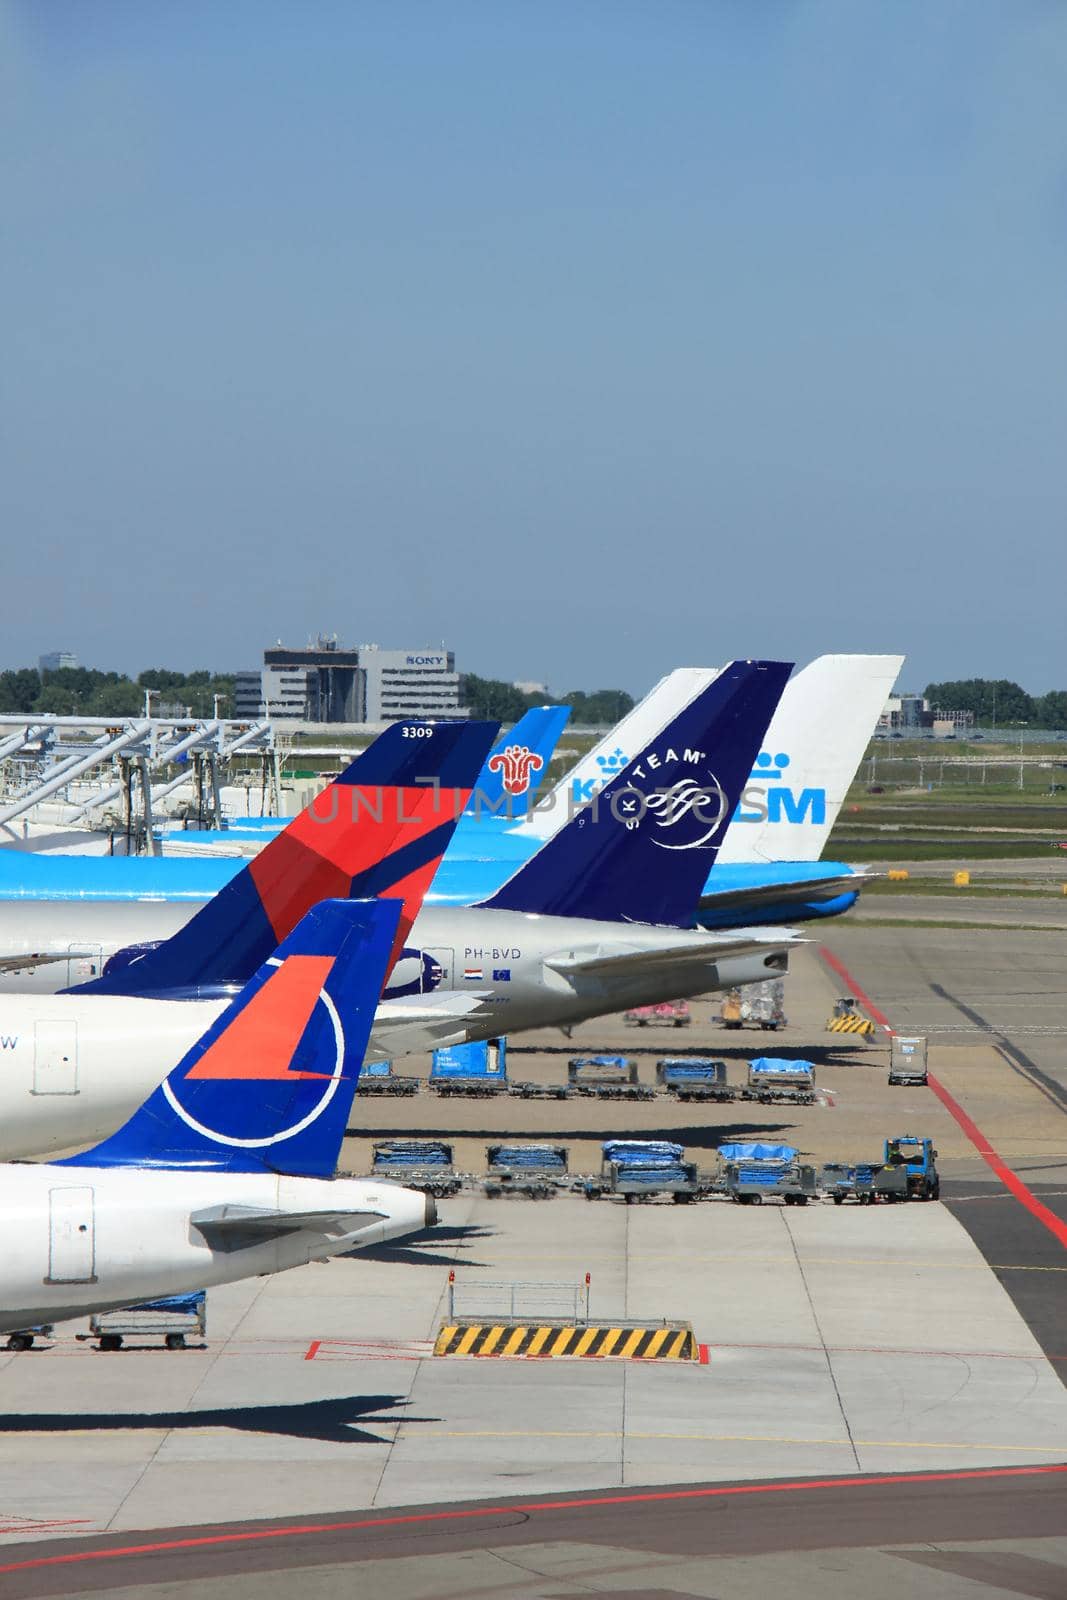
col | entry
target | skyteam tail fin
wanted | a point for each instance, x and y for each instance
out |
(813, 747)
(380, 828)
(269, 1086)
(641, 851)
(649, 718)
(514, 772)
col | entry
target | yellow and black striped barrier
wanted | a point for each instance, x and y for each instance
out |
(660, 1342)
(851, 1022)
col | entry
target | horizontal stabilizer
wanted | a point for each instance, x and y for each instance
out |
(788, 892)
(610, 961)
(240, 1227)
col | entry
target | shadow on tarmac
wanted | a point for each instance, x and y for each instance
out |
(699, 1135)
(341, 1421)
(411, 1253)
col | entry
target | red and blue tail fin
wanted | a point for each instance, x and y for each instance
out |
(380, 828)
(517, 767)
(642, 850)
(269, 1086)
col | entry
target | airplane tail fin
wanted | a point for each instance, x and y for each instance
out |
(636, 730)
(515, 770)
(641, 851)
(269, 1087)
(380, 828)
(809, 758)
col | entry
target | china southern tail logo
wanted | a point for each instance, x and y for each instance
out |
(516, 763)
(769, 797)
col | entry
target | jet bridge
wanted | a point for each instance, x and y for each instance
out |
(110, 771)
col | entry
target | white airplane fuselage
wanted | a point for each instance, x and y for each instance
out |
(73, 1067)
(84, 1239)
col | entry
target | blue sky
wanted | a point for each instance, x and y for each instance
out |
(590, 338)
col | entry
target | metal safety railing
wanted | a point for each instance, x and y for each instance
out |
(513, 1299)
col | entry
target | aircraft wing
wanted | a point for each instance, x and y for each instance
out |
(237, 1227)
(423, 1022)
(789, 892)
(620, 961)
(43, 958)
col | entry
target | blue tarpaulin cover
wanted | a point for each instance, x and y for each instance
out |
(779, 1064)
(757, 1152)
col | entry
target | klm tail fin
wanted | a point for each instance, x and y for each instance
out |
(269, 1086)
(514, 772)
(814, 744)
(643, 849)
(380, 828)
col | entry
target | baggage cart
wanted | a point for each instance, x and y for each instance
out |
(667, 1014)
(694, 1078)
(173, 1319)
(644, 1169)
(475, 1070)
(607, 1078)
(424, 1164)
(378, 1077)
(774, 1080)
(537, 1171)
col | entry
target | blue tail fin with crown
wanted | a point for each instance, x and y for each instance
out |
(642, 850)
(269, 1086)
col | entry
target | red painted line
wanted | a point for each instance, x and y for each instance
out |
(312, 1350)
(705, 1355)
(467, 1513)
(1011, 1181)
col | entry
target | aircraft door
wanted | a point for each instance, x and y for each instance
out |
(437, 967)
(71, 1236)
(55, 1058)
(84, 961)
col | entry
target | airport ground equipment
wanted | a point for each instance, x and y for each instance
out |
(757, 1172)
(775, 1080)
(24, 1338)
(537, 1171)
(907, 1060)
(848, 1018)
(667, 1014)
(694, 1078)
(378, 1077)
(173, 1319)
(644, 1169)
(607, 1078)
(916, 1158)
(759, 1005)
(424, 1164)
(550, 1319)
(474, 1070)
(846, 1180)
(527, 1089)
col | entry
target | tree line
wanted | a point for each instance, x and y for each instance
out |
(496, 701)
(84, 691)
(999, 702)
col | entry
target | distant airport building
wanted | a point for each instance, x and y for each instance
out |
(324, 683)
(904, 713)
(56, 660)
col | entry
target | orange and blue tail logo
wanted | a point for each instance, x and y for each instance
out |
(269, 1087)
